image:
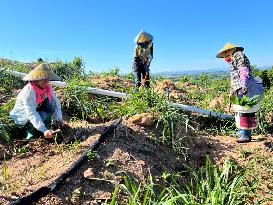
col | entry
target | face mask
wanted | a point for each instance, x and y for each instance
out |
(228, 59)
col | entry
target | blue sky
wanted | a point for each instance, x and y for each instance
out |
(187, 34)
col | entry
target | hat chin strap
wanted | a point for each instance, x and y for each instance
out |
(36, 83)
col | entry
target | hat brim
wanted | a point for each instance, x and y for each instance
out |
(50, 75)
(223, 53)
(143, 37)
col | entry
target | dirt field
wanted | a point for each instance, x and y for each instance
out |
(128, 151)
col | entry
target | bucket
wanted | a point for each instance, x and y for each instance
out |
(246, 118)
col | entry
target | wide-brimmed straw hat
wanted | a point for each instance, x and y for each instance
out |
(229, 46)
(143, 37)
(41, 72)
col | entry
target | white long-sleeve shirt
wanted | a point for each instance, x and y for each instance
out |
(25, 109)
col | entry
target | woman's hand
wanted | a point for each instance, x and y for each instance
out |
(48, 134)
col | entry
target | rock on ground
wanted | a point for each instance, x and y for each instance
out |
(88, 174)
(143, 119)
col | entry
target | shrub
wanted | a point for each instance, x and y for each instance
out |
(78, 101)
(111, 72)
(265, 78)
(7, 126)
(67, 70)
(130, 76)
(8, 82)
(184, 79)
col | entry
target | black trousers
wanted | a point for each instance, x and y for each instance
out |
(142, 70)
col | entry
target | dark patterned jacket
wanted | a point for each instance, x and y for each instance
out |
(143, 56)
(240, 71)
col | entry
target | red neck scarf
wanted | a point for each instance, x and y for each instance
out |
(40, 92)
(228, 59)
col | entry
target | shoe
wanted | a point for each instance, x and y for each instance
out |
(243, 140)
(245, 136)
(29, 136)
(237, 134)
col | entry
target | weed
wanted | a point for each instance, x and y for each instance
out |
(58, 147)
(68, 70)
(5, 170)
(23, 149)
(80, 104)
(209, 185)
(6, 123)
(76, 195)
(42, 172)
(130, 76)
(9, 82)
(5, 133)
(109, 162)
(73, 147)
(92, 155)
(111, 72)
(244, 153)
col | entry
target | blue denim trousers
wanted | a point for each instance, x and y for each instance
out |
(46, 112)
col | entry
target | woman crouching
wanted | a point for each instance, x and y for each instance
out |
(37, 103)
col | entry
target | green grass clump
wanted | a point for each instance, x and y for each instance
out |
(167, 118)
(7, 125)
(80, 103)
(211, 184)
(142, 102)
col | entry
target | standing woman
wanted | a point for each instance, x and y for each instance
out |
(37, 103)
(242, 82)
(142, 58)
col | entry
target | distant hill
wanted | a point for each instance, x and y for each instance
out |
(265, 67)
(191, 72)
(199, 71)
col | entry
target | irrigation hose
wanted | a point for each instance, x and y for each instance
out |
(43, 191)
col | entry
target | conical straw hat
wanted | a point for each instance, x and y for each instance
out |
(143, 37)
(229, 46)
(41, 72)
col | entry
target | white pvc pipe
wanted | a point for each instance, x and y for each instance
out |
(63, 84)
(96, 91)
(202, 111)
(14, 73)
(123, 95)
